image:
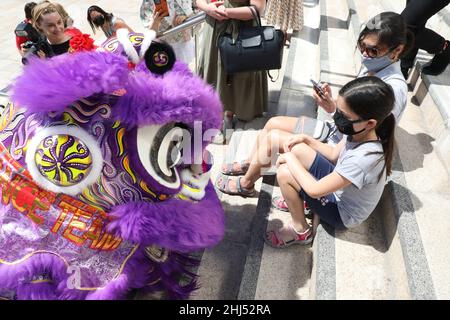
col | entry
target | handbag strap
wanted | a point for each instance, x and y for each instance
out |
(255, 14)
(271, 77)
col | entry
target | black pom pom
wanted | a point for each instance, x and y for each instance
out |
(160, 57)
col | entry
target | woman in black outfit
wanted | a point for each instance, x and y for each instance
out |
(416, 14)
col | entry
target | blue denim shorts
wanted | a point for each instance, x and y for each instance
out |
(326, 206)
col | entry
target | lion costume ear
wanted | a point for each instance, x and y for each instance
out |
(159, 57)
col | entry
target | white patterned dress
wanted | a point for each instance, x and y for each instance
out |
(182, 42)
(285, 14)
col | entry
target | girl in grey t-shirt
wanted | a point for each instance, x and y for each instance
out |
(342, 183)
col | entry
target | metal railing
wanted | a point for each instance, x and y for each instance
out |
(190, 22)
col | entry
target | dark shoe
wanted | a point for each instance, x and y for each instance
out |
(439, 62)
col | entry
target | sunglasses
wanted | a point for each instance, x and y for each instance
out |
(371, 51)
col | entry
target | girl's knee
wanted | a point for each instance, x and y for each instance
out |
(300, 149)
(273, 123)
(283, 173)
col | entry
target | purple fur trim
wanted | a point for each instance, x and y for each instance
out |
(36, 291)
(13, 275)
(136, 275)
(176, 96)
(115, 290)
(53, 84)
(169, 273)
(174, 224)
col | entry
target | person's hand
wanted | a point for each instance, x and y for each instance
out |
(216, 10)
(41, 54)
(325, 101)
(291, 142)
(23, 50)
(157, 18)
(179, 19)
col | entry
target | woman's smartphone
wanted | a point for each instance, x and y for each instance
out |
(161, 6)
(317, 88)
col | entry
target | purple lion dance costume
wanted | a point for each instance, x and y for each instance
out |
(101, 192)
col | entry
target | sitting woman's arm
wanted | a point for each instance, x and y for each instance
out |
(328, 151)
(314, 188)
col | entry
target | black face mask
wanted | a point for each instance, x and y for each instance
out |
(99, 20)
(344, 125)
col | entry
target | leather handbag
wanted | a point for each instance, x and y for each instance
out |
(255, 49)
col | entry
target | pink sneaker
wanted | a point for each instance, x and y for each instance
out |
(279, 203)
(274, 239)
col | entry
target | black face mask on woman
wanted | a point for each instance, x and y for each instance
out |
(344, 125)
(99, 20)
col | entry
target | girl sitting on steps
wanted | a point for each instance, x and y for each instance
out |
(342, 184)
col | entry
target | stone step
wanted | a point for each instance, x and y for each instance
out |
(417, 246)
(351, 264)
(253, 267)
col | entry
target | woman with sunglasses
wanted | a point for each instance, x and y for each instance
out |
(383, 41)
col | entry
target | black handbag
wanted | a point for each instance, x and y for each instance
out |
(255, 49)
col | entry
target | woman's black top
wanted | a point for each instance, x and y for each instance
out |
(60, 48)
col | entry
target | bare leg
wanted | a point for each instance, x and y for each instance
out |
(282, 123)
(268, 144)
(266, 147)
(290, 187)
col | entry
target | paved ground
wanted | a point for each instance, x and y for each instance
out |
(11, 13)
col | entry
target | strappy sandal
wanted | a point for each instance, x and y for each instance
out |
(230, 168)
(279, 203)
(274, 240)
(241, 191)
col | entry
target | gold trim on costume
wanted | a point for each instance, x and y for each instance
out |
(67, 264)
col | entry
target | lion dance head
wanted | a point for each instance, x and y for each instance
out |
(104, 175)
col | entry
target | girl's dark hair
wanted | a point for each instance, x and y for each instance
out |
(29, 10)
(372, 98)
(108, 16)
(392, 31)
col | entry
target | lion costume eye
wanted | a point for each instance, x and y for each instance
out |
(159, 149)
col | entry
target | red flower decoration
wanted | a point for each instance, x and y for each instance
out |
(82, 42)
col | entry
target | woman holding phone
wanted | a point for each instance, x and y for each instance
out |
(381, 49)
(161, 15)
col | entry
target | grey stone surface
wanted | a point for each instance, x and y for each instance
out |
(252, 266)
(221, 272)
(419, 276)
(324, 264)
(295, 103)
(238, 222)
(439, 88)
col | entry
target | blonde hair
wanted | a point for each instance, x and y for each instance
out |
(46, 7)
